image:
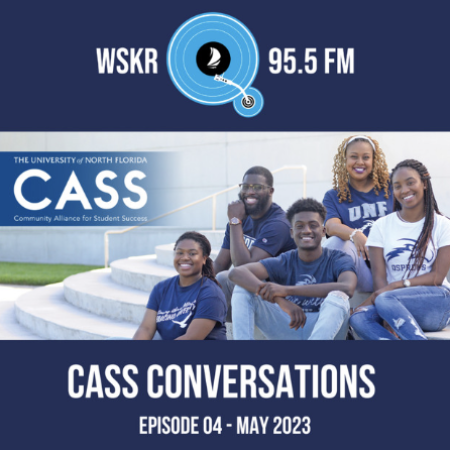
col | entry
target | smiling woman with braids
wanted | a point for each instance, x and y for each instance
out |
(410, 256)
(191, 305)
(360, 195)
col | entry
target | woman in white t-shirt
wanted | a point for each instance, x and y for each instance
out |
(410, 256)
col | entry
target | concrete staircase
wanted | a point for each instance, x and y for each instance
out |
(107, 302)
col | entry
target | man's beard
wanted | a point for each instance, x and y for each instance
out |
(258, 208)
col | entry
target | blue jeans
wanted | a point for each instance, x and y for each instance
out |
(363, 273)
(249, 309)
(408, 311)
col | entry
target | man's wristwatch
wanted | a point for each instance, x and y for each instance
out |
(406, 283)
(235, 221)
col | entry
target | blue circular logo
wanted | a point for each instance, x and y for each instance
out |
(213, 59)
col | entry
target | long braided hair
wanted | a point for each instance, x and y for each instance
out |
(208, 267)
(419, 250)
(379, 175)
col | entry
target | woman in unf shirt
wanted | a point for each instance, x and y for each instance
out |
(360, 195)
(410, 257)
(191, 305)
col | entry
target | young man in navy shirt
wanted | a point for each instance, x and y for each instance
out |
(307, 295)
(257, 228)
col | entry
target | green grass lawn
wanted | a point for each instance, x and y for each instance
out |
(38, 274)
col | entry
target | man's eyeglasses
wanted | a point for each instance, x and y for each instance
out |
(254, 187)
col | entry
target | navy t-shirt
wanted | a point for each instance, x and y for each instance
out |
(270, 233)
(177, 306)
(365, 208)
(289, 270)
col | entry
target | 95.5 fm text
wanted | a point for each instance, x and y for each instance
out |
(290, 61)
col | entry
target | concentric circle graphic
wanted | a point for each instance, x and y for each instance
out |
(251, 106)
(213, 59)
(248, 102)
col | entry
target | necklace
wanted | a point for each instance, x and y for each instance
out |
(403, 220)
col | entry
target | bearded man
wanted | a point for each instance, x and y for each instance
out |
(257, 228)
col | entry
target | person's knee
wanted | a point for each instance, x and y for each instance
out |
(348, 247)
(336, 243)
(384, 300)
(359, 318)
(222, 277)
(338, 299)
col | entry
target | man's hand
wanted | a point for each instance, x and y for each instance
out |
(236, 209)
(298, 317)
(268, 291)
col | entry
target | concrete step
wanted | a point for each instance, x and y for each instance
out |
(443, 335)
(164, 254)
(141, 272)
(10, 328)
(97, 293)
(45, 312)
(214, 237)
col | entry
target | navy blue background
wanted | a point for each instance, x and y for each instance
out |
(405, 411)
(49, 76)
(49, 82)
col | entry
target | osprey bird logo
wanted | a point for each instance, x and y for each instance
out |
(305, 279)
(399, 250)
(406, 248)
(183, 323)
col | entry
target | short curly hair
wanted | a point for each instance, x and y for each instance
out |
(306, 204)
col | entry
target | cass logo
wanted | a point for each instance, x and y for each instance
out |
(73, 191)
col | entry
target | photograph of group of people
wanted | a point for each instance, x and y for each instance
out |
(291, 273)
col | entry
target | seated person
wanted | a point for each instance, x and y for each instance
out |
(410, 254)
(307, 295)
(257, 228)
(191, 305)
(361, 194)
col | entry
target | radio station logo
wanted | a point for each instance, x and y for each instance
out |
(213, 59)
